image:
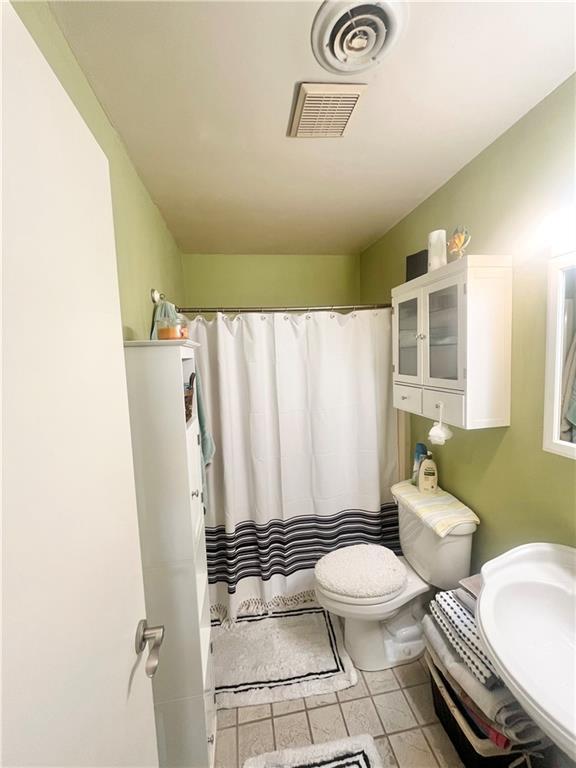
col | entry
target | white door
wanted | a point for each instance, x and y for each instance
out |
(444, 334)
(74, 691)
(407, 341)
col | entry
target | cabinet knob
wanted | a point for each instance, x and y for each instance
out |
(195, 494)
(403, 397)
(210, 739)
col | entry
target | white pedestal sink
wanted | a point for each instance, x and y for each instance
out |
(526, 615)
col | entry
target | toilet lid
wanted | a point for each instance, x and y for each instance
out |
(363, 570)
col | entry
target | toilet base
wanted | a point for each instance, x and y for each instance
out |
(375, 645)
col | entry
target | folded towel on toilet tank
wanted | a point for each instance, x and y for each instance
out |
(440, 510)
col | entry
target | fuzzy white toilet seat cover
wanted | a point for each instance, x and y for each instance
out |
(362, 570)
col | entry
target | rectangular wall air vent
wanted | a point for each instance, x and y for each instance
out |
(323, 109)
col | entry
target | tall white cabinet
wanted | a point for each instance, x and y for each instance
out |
(167, 466)
(452, 332)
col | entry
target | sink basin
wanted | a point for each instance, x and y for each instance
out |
(526, 615)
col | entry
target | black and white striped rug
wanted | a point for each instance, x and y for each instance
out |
(280, 656)
(355, 752)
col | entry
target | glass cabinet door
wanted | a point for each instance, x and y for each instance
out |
(407, 364)
(443, 355)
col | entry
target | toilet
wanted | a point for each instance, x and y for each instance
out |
(380, 595)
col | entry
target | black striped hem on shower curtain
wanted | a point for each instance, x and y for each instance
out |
(283, 547)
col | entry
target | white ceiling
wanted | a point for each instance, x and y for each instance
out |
(201, 94)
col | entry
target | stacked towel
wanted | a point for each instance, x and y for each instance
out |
(459, 628)
(498, 705)
(440, 511)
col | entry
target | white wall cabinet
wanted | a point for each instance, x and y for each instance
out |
(452, 331)
(167, 466)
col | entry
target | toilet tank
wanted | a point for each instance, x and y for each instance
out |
(442, 562)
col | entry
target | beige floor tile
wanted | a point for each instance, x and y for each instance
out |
(411, 674)
(226, 718)
(357, 691)
(226, 749)
(255, 712)
(394, 711)
(320, 700)
(292, 731)
(420, 699)
(254, 739)
(412, 750)
(442, 747)
(360, 717)
(327, 724)
(381, 681)
(285, 707)
(385, 752)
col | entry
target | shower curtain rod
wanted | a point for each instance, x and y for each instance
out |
(157, 296)
(239, 310)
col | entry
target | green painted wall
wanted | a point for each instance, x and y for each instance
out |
(507, 196)
(270, 280)
(146, 251)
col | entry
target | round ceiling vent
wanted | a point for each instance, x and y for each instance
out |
(352, 37)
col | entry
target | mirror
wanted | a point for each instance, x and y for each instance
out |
(560, 392)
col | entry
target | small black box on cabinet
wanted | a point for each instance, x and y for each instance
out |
(416, 264)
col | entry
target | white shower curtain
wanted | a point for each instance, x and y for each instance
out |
(300, 407)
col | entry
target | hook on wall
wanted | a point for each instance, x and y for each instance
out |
(156, 296)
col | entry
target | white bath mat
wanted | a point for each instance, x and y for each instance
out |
(356, 752)
(280, 656)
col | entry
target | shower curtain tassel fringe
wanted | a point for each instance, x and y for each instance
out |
(256, 606)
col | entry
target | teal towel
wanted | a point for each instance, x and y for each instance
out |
(163, 310)
(207, 446)
(568, 407)
(571, 409)
(206, 440)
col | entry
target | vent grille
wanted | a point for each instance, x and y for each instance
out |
(323, 109)
(350, 37)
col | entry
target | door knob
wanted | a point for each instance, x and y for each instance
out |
(153, 637)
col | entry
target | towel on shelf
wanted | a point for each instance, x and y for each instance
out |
(440, 511)
(498, 705)
(491, 702)
(464, 624)
(466, 653)
(472, 584)
(466, 600)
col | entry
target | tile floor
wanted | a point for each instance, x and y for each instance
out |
(394, 706)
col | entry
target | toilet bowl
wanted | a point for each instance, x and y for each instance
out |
(380, 596)
(381, 632)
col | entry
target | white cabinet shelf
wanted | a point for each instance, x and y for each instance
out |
(452, 331)
(167, 468)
